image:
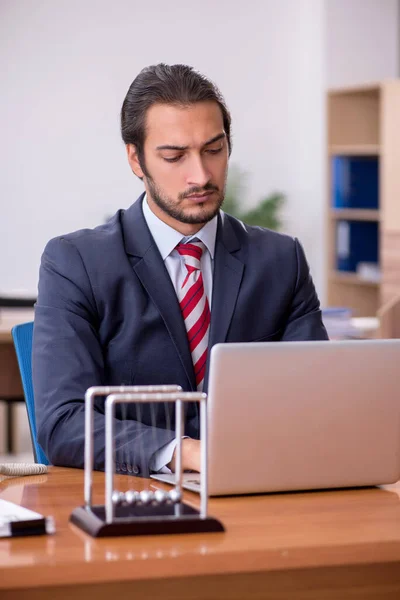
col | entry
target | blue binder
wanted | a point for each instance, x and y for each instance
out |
(356, 241)
(355, 182)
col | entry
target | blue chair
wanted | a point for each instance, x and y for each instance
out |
(22, 336)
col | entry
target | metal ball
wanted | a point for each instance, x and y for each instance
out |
(146, 496)
(175, 496)
(160, 496)
(131, 497)
(118, 497)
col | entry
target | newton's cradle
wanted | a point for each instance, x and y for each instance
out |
(144, 512)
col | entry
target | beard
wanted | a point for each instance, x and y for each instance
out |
(201, 213)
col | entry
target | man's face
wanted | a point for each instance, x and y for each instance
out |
(186, 161)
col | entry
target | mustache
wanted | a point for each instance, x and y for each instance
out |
(209, 187)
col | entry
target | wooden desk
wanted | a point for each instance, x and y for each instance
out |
(317, 545)
(10, 381)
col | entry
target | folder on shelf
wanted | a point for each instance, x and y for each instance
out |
(355, 182)
(356, 242)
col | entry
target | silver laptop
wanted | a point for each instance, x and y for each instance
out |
(301, 415)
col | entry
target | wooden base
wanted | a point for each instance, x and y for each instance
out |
(144, 520)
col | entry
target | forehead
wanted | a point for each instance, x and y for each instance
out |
(183, 125)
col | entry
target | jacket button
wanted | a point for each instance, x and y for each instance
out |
(135, 470)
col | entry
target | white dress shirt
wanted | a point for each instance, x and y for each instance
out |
(166, 239)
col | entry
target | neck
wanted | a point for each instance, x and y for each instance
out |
(185, 229)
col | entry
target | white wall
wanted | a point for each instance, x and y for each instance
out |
(362, 41)
(66, 66)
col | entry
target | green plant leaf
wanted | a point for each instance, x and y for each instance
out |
(266, 214)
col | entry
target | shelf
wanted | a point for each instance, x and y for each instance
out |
(363, 123)
(367, 88)
(354, 149)
(355, 214)
(351, 278)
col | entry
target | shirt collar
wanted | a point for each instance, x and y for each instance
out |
(167, 238)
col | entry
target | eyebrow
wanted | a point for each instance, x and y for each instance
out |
(214, 139)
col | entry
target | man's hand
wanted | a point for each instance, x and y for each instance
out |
(190, 456)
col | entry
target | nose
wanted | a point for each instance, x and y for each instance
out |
(198, 174)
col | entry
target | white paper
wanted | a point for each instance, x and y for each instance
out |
(11, 513)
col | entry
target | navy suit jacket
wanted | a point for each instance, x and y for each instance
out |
(107, 314)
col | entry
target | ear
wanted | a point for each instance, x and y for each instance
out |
(134, 160)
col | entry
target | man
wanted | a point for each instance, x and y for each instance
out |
(143, 298)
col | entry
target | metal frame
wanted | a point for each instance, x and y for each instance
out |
(178, 397)
(90, 395)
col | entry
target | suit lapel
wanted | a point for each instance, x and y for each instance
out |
(150, 269)
(228, 273)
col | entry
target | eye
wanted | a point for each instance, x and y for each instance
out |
(214, 150)
(173, 159)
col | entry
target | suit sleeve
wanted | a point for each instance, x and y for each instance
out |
(304, 319)
(67, 358)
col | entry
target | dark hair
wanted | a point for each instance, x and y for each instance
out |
(166, 84)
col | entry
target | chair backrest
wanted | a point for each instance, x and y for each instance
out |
(22, 336)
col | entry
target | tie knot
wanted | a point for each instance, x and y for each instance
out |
(192, 253)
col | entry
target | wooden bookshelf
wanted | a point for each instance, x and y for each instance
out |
(354, 150)
(352, 278)
(365, 121)
(355, 214)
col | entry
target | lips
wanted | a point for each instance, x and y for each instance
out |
(200, 197)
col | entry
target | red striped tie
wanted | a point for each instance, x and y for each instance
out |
(195, 308)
